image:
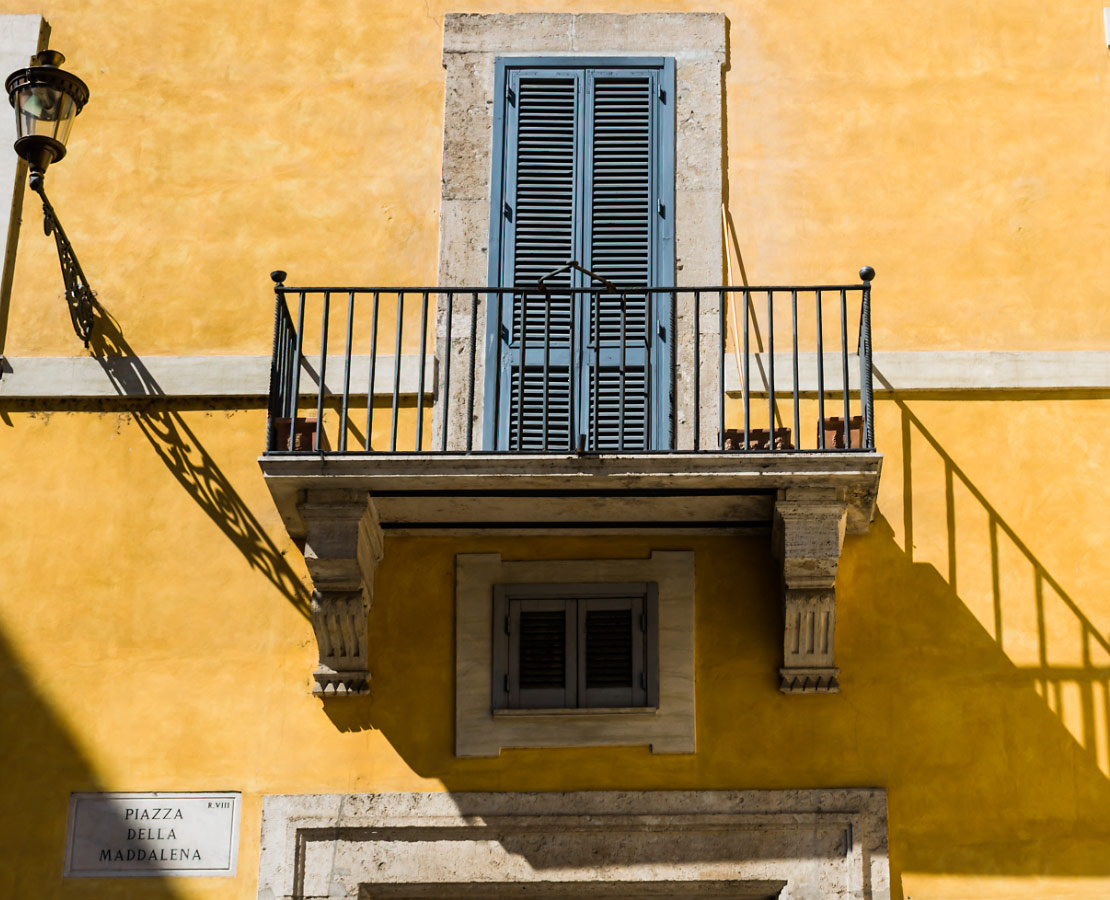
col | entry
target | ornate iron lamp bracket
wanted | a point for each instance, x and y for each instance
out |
(79, 296)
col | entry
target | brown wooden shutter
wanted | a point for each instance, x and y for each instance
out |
(566, 646)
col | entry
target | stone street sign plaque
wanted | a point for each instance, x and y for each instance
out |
(126, 835)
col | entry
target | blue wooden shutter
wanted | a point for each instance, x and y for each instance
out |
(541, 232)
(584, 170)
(620, 209)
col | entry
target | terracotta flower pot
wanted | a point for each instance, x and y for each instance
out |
(304, 437)
(758, 439)
(834, 432)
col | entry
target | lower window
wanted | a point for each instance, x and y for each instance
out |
(571, 646)
(603, 652)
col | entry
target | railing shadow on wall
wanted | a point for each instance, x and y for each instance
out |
(1071, 669)
(189, 461)
(985, 779)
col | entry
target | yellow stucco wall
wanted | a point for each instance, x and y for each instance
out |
(152, 610)
(958, 148)
(155, 639)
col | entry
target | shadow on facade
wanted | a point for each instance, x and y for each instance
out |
(990, 768)
(34, 804)
(1025, 754)
(983, 778)
(189, 462)
(1070, 666)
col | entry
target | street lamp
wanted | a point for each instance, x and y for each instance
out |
(46, 100)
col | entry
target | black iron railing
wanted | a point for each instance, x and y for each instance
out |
(569, 369)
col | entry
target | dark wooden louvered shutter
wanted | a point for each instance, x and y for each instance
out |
(543, 654)
(611, 638)
(561, 646)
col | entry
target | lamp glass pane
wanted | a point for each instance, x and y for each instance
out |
(69, 113)
(45, 111)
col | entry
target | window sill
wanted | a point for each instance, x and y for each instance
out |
(589, 711)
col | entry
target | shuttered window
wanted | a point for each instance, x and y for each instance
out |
(567, 646)
(583, 170)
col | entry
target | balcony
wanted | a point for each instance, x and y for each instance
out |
(571, 406)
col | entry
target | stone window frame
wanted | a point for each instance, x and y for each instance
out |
(666, 728)
(471, 44)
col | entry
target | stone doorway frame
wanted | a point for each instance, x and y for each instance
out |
(793, 845)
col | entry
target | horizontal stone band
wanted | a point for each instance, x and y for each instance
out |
(80, 377)
(953, 370)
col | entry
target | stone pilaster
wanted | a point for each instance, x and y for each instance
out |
(808, 533)
(343, 545)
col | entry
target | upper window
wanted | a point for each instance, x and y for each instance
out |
(568, 646)
(583, 170)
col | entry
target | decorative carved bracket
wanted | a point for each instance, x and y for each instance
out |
(343, 545)
(807, 535)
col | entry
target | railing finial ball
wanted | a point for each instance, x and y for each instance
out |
(866, 273)
(278, 277)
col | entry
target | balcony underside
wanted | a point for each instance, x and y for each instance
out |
(341, 507)
(425, 493)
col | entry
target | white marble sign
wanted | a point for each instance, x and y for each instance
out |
(123, 835)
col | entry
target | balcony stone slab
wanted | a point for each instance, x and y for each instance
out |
(553, 493)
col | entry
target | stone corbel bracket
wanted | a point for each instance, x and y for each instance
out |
(343, 545)
(807, 536)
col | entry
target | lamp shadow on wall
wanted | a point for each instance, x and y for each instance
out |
(43, 761)
(189, 461)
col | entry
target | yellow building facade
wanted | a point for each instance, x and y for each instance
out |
(164, 614)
